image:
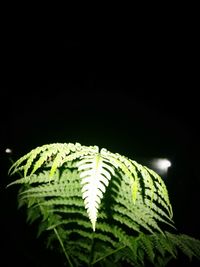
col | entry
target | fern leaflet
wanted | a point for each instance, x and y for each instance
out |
(95, 174)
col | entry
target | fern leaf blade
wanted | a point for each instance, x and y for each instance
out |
(94, 179)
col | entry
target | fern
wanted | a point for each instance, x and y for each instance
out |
(95, 173)
(101, 207)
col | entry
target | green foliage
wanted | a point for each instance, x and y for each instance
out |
(103, 208)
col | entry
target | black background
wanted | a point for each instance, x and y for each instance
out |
(140, 101)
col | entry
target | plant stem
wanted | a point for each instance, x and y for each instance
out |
(91, 250)
(63, 248)
(101, 258)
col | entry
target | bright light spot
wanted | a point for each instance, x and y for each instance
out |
(161, 165)
(8, 150)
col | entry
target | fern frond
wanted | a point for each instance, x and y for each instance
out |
(106, 208)
(55, 154)
(96, 170)
(130, 257)
(192, 243)
(151, 184)
(42, 177)
(125, 165)
(27, 160)
(95, 174)
(145, 243)
(62, 201)
(162, 192)
(186, 244)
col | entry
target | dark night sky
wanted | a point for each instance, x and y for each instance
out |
(145, 112)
